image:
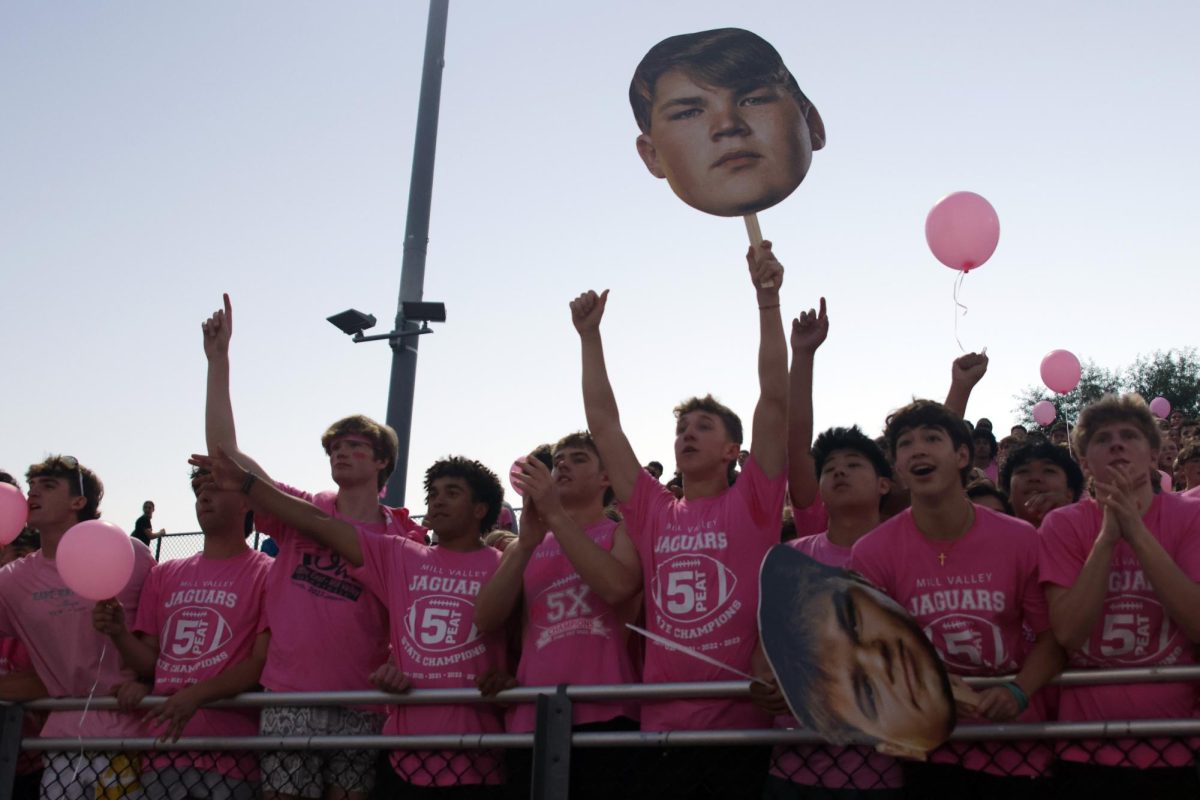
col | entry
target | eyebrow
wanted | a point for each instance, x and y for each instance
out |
(844, 608)
(689, 102)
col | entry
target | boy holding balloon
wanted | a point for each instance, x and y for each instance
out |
(54, 623)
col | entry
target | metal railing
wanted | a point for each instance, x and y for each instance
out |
(551, 742)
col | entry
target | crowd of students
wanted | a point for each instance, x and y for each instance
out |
(1015, 558)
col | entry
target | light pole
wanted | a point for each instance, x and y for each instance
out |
(410, 309)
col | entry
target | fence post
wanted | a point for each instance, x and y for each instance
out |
(11, 716)
(552, 747)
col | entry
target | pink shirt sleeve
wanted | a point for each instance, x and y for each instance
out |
(379, 562)
(870, 559)
(763, 496)
(271, 526)
(1063, 546)
(648, 499)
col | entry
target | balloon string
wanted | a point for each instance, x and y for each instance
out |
(83, 716)
(957, 306)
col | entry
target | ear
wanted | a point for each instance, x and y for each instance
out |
(897, 750)
(884, 487)
(963, 456)
(649, 155)
(480, 511)
(816, 127)
(732, 450)
(78, 503)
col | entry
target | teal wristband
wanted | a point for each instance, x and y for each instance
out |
(1018, 693)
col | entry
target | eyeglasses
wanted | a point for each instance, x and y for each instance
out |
(71, 462)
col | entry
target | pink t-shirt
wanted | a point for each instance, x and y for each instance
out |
(432, 591)
(1133, 630)
(15, 658)
(831, 766)
(206, 614)
(974, 597)
(315, 607)
(69, 655)
(700, 561)
(571, 635)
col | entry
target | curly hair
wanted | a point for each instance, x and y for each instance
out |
(484, 485)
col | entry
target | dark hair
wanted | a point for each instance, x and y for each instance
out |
(384, 442)
(483, 483)
(1189, 452)
(247, 521)
(545, 454)
(93, 489)
(724, 57)
(656, 464)
(583, 440)
(929, 414)
(978, 489)
(986, 435)
(851, 438)
(1110, 408)
(1042, 451)
(709, 404)
(1016, 427)
(9, 479)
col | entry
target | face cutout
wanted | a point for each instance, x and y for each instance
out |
(850, 660)
(730, 149)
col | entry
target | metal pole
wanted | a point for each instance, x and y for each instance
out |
(552, 747)
(11, 718)
(416, 240)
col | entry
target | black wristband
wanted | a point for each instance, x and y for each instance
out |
(248, 482)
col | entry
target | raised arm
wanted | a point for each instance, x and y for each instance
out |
(965, 372)
(768, 440)
(224, 473)
(599, 403)
(499, 597)
(219, 428)
(1180, 595)
(808, 332)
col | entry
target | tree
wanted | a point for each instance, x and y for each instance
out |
(1094, 382)
(1173, 374)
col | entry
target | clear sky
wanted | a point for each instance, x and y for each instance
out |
(154, 155)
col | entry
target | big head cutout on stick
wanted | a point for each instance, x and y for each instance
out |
(724, 121)
(849, 660)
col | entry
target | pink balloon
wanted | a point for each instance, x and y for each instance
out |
(14, 511)
(1164, 480)
(95, 559)
(1061, 371)
(1044, 412)
(962, 230)
(513, 473)
(1160, 407)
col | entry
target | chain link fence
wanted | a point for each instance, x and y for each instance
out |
(603, 760)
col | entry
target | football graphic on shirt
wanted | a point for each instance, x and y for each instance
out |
(969, 643)
(1133, 630)
(194, 632)
(691, 587)
(439, 622)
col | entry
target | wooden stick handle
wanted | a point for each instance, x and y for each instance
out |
(755, 234)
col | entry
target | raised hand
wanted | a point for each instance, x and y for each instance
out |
(1117, 495)
(222, 471)
(765, 270)
(969, 369)
(809, 330)
(218, 329)
(587, 310)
